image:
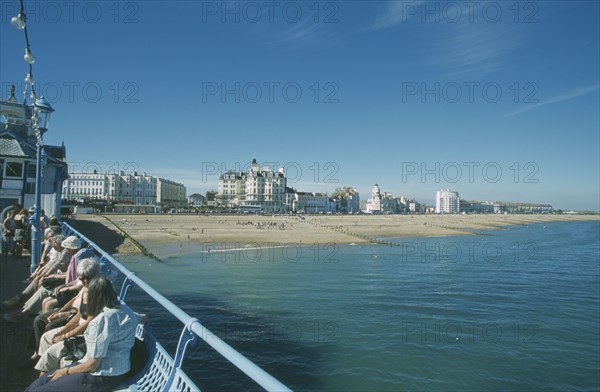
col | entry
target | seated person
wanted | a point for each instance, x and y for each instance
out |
(50, 320)
(109, 338)
(57, 263)
(51, 342)
(63, 293)
(34, 303)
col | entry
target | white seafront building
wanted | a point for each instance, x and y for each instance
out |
(374, 203)
(380, 203)
(312, 203)
(259, 187)
(447, 202)
(140, 189)
(231, 189)
(170, 192)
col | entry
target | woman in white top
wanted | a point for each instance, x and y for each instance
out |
(52, 342)
(109, 338)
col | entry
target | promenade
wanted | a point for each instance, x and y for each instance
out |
(16, 339)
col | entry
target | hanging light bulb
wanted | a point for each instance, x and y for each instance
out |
(29, 79)
(28, 57)
(18, 22)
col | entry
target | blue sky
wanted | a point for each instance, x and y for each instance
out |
(497, 100)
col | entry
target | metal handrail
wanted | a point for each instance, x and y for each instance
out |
(252, 370)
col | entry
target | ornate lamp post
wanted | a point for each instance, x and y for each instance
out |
(41, 119)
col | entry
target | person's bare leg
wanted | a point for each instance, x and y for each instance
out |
(48, 304)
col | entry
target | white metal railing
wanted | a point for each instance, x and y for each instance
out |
(171, 369)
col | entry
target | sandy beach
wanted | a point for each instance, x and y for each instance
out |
(147, 230)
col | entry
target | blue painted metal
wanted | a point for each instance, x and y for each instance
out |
(164, 373)
(36, 235)
(187, 337)
(126, 285)
(43, 108)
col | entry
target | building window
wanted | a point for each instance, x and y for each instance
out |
(14, 169)
(31, 171)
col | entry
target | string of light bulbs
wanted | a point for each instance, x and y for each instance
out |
(20, 23)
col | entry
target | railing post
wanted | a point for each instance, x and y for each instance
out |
(126, 285)
(187, 336)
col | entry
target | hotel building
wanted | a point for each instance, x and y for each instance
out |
(259, 187)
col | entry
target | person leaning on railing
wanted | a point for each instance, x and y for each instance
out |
(109, 338)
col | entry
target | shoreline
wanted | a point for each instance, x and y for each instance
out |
(144, 234)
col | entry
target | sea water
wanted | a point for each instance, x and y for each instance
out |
(515, 309)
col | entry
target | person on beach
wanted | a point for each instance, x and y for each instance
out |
(52, 342)
(109, 338)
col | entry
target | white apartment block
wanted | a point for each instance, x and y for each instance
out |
(123, 188)
(447, 202)
(170, 192)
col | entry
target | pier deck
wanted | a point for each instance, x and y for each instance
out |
(16, 339)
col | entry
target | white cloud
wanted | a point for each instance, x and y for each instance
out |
(396, 12)
(560, 98)
(460, 45)
(479, 48)
(309, 34)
